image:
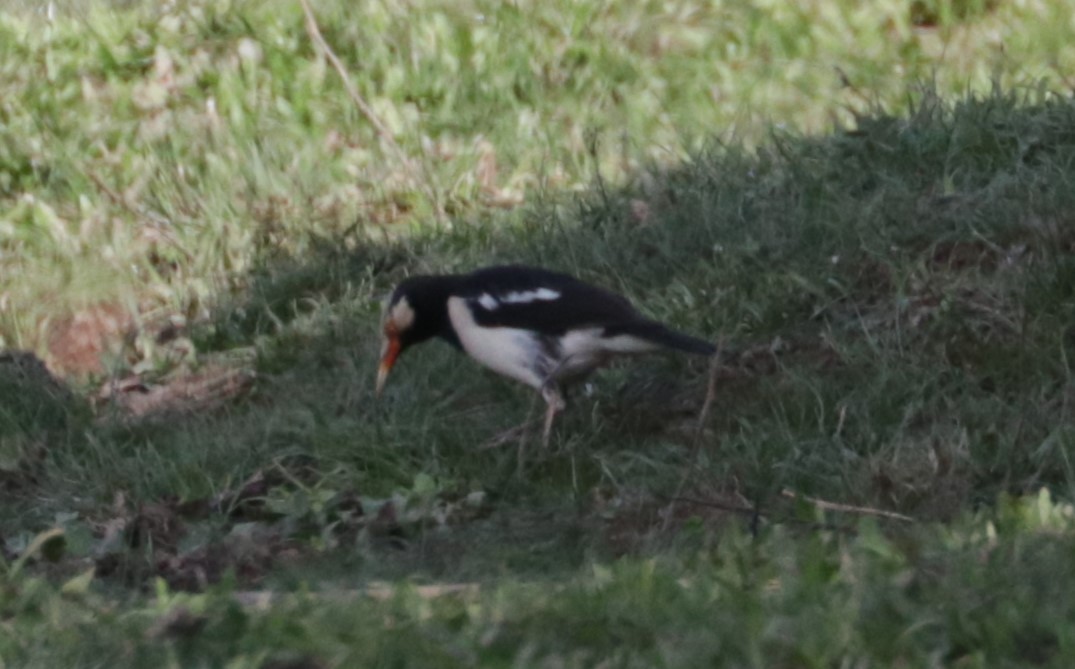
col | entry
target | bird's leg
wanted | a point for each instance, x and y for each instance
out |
(524, 433)
(555, 401)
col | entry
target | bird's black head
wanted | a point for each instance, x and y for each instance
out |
(416, 311)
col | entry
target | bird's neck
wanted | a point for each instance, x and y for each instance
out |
(433, 304)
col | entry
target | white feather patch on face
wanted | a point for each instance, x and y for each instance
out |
(401, 315)
(527, 296)
(488, 302)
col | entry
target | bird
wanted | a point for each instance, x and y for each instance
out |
(545, 329)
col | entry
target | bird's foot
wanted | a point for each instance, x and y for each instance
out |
(546, 433)
(555, 403)
(511, 435)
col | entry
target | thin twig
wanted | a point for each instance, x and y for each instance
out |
(364, 107)
(699, 430)
(847, 508)
(710, 395)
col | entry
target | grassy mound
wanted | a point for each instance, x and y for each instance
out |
(198, 228)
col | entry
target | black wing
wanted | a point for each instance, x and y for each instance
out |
(658, 333)
(547, 302)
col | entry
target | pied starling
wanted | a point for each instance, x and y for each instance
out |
(539, 327)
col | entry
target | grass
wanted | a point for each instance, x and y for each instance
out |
(893, 264)
(153, 156)
(991, 591)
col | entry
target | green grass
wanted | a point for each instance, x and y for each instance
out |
(893, 260)
(995, 590)
(151, 157)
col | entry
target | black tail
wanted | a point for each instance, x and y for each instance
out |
(664, 336)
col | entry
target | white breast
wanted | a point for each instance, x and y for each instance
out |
(507, 351)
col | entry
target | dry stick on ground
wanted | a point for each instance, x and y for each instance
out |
(790, 494)
(424, 180)
(696, 447)
(847, 508)
(756, 514)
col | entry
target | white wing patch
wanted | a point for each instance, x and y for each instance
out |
(527, 296)
(488, 302)
(591, 344)
(628, 344)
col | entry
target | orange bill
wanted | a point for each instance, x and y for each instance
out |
(389, 353)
